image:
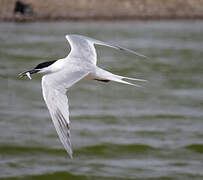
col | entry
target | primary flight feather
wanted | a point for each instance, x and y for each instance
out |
(61, 74)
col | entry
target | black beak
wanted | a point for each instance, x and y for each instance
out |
(28, 73)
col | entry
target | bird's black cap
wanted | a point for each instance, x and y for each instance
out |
(44, 64)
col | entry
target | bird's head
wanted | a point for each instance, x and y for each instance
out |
(41, 68)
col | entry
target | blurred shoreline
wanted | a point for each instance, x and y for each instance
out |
(109, 10)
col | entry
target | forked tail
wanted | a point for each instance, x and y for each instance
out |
(103, 75)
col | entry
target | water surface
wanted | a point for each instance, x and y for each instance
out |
(118, 132)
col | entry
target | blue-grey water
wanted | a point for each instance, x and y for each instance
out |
(118, 131)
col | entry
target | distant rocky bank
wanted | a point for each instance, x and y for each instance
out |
(38, 10)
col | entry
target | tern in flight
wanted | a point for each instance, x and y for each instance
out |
(60, 75)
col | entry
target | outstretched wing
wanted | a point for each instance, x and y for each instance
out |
(54, 87)
(83, 47)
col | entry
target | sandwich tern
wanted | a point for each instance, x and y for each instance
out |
(60, 75)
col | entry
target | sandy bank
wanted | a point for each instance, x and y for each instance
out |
(103, 9)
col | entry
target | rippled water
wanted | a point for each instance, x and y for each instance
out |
(118, 132)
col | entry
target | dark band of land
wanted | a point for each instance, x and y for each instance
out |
(37, 10)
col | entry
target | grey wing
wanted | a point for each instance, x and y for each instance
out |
(57, 103)
(83, 47)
